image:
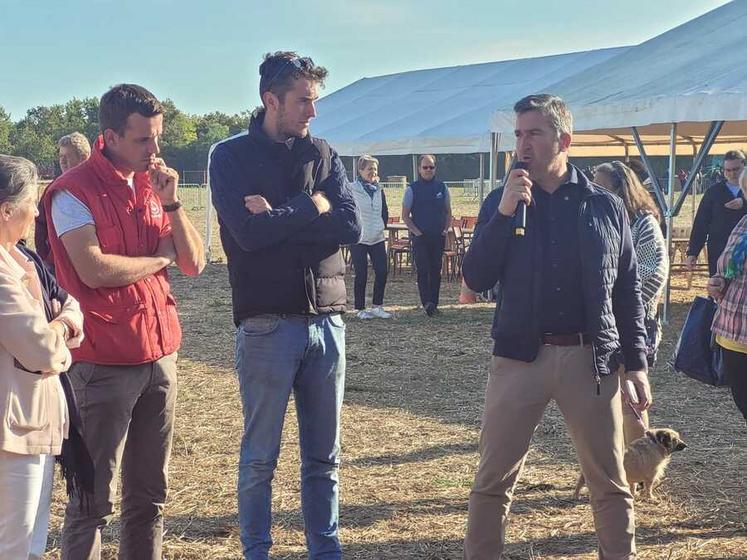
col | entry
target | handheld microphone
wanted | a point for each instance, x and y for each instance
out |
(520, 218)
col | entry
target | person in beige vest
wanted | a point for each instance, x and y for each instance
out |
(33, 352)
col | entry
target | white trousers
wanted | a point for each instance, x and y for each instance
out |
(25, 495)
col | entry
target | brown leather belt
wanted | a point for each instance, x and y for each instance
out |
(573, 339)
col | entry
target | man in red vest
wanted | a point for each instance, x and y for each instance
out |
(115, 225)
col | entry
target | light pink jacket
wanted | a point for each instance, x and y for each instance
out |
(33, 412)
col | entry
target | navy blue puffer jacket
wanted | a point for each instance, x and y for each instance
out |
(612, 294)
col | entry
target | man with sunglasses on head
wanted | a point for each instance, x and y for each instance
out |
(720, 209)
(426, 210)
(284, 207)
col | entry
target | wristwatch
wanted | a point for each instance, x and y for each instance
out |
(172, 207)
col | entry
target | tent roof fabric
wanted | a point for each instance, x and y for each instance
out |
(691, 75)
(441, 110)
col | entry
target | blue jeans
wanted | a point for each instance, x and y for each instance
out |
(274, 355)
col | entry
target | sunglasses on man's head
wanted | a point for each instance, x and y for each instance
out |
(303, 63)
(427, 167)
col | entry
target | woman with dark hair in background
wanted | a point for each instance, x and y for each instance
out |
(652, 257)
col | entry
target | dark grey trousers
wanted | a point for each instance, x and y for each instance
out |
(127, 415)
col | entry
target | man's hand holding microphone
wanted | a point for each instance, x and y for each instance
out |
(518, 189)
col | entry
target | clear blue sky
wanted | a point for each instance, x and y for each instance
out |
(204, 54)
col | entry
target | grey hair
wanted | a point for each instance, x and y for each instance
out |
(550, 106)
(364, 160)
(78, 142)
(422, 157)
(17, 177)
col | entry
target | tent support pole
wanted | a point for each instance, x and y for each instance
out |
(481, 186)
(493, 159)
(697, 163)
(650, 169)
(208, 220)
(670, 214)
(414, 167)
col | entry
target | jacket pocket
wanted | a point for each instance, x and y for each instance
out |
(336, 320)
(116, 330)
(28, 404)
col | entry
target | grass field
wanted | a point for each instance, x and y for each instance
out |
(414, 396)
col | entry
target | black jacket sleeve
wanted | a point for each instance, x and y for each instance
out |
(384, 208)
(342, 224)
(253, 231)
(485, 258)
(701, 224)
(488, 207)
(626, 301)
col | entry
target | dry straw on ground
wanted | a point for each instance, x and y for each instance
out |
(410, 425)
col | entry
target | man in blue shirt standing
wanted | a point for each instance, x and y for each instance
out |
(285, 207)
(426, 210)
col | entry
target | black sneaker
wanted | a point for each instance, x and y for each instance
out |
(430, 309)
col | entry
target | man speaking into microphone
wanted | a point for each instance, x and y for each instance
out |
(568, 326)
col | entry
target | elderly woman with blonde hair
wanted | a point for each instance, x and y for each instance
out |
(34, 351)
(371, 203)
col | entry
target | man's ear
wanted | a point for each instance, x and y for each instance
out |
(565, 141)
(110, 137)
(270, 100)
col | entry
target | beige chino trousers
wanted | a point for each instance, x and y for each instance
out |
(515, 399)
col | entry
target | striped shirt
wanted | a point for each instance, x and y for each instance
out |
(731, 316)
(653, 261)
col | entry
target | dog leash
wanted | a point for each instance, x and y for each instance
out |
(633, 395)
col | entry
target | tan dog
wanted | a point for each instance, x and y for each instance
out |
(646, 459)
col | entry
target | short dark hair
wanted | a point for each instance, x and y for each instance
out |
(123, 100)
(550, 106)
(734, 154)
(280, 69)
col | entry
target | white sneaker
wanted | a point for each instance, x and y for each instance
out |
(364, 314)
(379, 312)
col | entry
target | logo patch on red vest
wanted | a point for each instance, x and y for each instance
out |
(155, 209)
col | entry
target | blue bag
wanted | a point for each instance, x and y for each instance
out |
(696, 354)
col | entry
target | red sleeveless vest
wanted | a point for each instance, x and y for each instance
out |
(132, 324)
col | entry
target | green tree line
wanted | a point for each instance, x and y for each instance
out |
(184, 145)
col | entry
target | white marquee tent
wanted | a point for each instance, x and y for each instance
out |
(441, 110)
(691, 75)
